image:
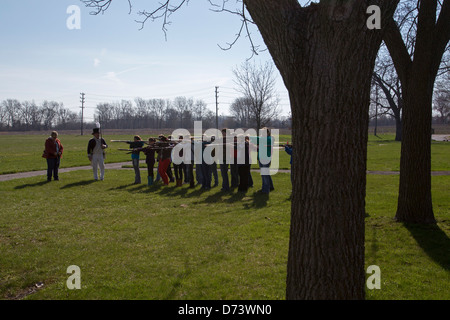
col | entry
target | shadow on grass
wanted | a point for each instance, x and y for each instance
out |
(37, 184)
(122, 187)
(258, 200)
(78, 184)
(433, 241)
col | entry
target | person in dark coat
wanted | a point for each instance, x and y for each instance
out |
(149, 152)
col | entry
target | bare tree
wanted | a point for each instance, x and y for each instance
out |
(240, 110)
(325, 54)
(427, 36)
(26, 113)
(257, 84)
(3, 115)
(183, 106)
(49, 110)
(158, 108)
(442, 100)
(388, 95)
(36, 116)
(199, 110)
(126, 114)
(12, 109)
(104, 114)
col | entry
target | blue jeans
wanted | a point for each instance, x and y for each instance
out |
(267, 184)
(137, 173)
(52, 168)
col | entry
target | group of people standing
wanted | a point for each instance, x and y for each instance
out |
(236, 159)
(238, 162)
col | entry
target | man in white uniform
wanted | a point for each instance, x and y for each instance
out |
(96, 153)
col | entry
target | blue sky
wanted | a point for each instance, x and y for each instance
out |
(110, 59)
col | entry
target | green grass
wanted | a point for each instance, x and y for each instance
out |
(383, 154)
(142, 243)
(139, 242)
(20, 153)
(414, 259)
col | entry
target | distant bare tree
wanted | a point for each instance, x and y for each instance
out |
(26, 113)
(441, 103)
(199, 110)
(240, 109)
(158, 109)
(3, 115)
(12, 109)
(183, 107)
(257, 84)
(49, 112)
(126, 114)
(387, 96)
(104, 114)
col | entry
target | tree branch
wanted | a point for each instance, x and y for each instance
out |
(441, 35)
(244, 25)
(397, 49)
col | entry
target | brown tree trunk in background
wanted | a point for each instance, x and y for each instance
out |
(414, 199)
(417, 77)
(325, 54)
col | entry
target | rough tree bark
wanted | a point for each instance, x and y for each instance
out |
(325, 54)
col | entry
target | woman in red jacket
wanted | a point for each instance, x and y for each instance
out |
(53, 153)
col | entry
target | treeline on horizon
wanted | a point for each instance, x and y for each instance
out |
(18, 115)
(180, 112)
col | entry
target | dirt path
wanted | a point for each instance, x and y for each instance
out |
(119, 165)
(6, 177)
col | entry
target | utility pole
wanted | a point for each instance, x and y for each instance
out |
(217, 109)
(82, 111)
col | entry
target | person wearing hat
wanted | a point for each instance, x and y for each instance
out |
(96, 153)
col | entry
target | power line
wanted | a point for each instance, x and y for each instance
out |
(217, 108)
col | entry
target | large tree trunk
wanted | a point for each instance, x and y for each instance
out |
(414, 199)
(326, 55)
(417, 77)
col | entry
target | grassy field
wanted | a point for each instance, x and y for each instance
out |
(20, 153)
(139, 242)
